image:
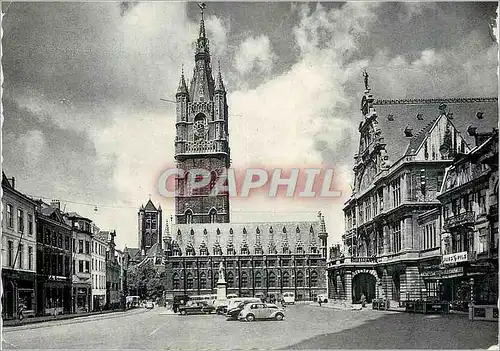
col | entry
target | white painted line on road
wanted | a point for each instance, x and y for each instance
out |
(154, 331)
(5, 341)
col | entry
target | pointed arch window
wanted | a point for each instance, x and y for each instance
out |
(271, 280)
(230, 279)
(203, 281)
(189, 216)
(314, 279)
(213, 181)
(286, 250)
(189, 281)
(244, 280)
(285, 279)
(213, 215)
(258, 280)
(300, 249)
(176, 281)
(300, 279)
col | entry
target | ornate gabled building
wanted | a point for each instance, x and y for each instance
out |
(392, 219)
(259, 258)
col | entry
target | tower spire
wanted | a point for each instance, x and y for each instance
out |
(219, 84)
(182, 89)
(202, 7)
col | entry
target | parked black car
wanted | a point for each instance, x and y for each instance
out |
(179, 300)
(196, 307)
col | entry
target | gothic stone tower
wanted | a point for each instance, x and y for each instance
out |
(149, 224)
(202, 140)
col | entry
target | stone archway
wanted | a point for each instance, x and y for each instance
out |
(365, 282)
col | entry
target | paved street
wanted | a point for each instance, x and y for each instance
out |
(306, 327)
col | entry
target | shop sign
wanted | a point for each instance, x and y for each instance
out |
(455, 257)
(455, 271)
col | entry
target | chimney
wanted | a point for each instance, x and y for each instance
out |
(13, 182)
(55, 204)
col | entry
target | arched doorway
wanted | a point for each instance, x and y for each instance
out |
(363, 283)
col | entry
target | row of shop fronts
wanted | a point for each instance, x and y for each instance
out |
(48, 259)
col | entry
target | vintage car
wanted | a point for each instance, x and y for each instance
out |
(236, 305)
(196, 307)
(256, 311)
(149, 305)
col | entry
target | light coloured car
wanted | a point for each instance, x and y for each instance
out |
(256, 311)
(149, 305)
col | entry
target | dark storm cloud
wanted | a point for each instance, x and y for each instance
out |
(78, 52)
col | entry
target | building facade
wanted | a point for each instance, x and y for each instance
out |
(259, 258)
(469, 239)
(82, 260)
(98, 270)
(392, 219)
(54, 260)
(114, 274)
(19, 261)
(201, 142)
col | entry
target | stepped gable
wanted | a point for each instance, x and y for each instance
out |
(294, 231)
(461, 111)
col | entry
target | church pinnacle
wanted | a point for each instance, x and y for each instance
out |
(219, 84)
(182, 89)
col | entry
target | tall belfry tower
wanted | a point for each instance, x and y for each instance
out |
(202, 139)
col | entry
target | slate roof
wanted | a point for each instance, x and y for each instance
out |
(150, 206)
(134, 252)
(405, 113)
(282, 233)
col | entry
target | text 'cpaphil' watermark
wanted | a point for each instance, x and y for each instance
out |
(302, 183)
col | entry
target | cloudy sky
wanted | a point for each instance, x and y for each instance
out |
(83, 81)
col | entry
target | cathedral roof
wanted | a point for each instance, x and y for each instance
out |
(419, 115)
(254, 235)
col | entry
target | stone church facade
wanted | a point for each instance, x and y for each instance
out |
(265, 258)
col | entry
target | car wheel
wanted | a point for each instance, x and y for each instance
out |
(250, 317)
(183, 312)
(279, 317)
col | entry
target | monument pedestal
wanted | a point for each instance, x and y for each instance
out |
(221, 290)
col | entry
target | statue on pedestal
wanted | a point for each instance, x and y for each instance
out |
(222, 279)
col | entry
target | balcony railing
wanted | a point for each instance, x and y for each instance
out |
(210, 146)
(460, 219)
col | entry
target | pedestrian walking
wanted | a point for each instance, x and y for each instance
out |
(319, 300)
(363, 300)
(20, 312)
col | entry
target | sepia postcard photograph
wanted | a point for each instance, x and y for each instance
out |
(249, 175)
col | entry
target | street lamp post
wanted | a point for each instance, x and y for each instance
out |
(471, 303)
